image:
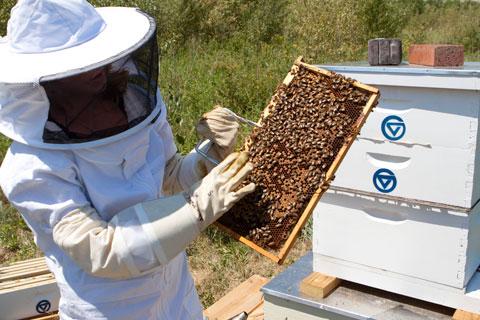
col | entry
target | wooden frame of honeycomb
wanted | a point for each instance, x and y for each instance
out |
(343, 105)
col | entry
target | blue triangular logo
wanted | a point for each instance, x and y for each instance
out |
(385, 181)
(394, 128)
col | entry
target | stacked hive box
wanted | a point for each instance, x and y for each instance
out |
(28, 289)
(402, 214)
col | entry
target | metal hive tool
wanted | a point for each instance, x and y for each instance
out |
(306, 130)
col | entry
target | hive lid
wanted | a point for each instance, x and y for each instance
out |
(466, 77)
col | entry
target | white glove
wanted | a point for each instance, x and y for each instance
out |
(220, 127)
(118, 250)
(181, 172)
(217, 192)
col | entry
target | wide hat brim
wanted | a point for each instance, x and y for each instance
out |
(126, 30)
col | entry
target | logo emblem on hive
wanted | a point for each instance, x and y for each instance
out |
(384, 180)
(393, 128)
(43, 306)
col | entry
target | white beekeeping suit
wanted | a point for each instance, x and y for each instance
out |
(96, 175)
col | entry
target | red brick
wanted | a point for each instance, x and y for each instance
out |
(436, 55)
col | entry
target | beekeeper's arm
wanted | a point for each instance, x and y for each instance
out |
(167, 225)
(221, 128)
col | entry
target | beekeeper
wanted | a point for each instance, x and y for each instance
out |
(93, 168)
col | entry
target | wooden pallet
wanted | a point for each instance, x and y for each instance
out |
(244, 298)
(368, 108)
(319, 285)
(28, 289)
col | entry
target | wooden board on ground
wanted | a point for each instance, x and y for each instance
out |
(244, 298)
(28, 289)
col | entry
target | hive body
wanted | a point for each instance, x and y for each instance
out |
(27, 289)
(425, 131)
(403, 213)
(434, 244)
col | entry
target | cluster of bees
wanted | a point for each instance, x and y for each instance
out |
(307, 123)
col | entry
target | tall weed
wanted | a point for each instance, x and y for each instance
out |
(240, 76)
(451, 23)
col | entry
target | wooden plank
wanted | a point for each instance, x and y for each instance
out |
(288, 78)
(20, 264)
(257, 313)
(32, 265)
(51, 316)
(26, 261)
(26, 283)
(244, 298)
(23, 262)
(24, 273)
(464, 315)
(313, 68)
(319, 285)
(366, 87)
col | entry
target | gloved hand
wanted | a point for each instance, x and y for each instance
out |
(220, 127)
(181, 172)
(216, 193)
(150, 234)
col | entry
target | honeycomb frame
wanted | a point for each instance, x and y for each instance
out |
(373, 93)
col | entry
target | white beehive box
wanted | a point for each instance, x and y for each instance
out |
(27, 289)
(433, 244)
(421, 141)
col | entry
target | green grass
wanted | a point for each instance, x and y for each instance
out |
(195, 80)
(219, 263)
(16, 242)
(235, 53)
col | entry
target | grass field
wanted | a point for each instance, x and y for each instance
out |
(234, 53)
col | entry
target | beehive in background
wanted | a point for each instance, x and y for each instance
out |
(305, 131)
(28, 289)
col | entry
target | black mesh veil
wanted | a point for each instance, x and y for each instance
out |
(117, 95)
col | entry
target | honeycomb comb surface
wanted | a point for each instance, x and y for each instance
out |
(303, 129)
